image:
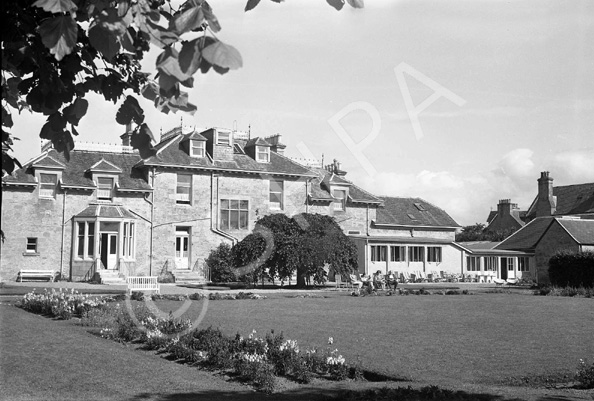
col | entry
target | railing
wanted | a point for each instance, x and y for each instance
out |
(91, 272)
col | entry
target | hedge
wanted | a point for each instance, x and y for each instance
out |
(572, 269)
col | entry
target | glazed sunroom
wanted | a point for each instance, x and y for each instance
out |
(103, 237)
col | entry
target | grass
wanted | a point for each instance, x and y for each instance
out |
(474, 343)
(440, 339)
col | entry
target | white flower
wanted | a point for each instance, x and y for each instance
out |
(330, 340)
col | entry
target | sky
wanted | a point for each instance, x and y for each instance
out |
(458, 102)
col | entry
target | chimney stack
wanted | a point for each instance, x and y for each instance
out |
(546, 203)
(276, 144)
(504, 207)
(127, 136)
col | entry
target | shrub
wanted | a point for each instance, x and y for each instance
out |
(568, 269)
(565, 291)
(585, 374)
(220, 262)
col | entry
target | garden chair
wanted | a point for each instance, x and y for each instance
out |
(379, 281)
(422, 277)
(406, 277)
(498, 281)
(512, 281)
(354, 280)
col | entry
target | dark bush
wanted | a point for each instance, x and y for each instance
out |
(567, 269)
(220, 262)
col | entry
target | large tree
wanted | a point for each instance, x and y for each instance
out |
(54, 52)
(303, 244)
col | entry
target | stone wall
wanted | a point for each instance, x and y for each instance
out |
(555, 239)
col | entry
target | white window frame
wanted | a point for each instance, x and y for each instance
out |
(230, 210)
(490, 263)
(434, 254)
(180, 197)
(339, 203)
(473, 263)
(197, 148)
(128, 240)
(397, 250)
(224, 138)
(48, 189)
(378, 253)
(88, 236)
(262, 154)
(32, 246)
(280, 194)
(416, 254)
(523, 264)
(102, 191)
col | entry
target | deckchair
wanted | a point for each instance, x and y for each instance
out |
(422, 277)
(512, 281)
(406, 277)
(355, 281)
(498, 281)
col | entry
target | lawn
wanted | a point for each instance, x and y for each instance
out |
(471, 342)
(485, 338)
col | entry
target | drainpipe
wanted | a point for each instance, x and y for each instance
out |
(63, 233)
(214, 209)
(152, 203)
(367, 222)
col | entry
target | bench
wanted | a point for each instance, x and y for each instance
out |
(143, 284)
(27, 273)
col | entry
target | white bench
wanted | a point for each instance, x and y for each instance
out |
(27, 273)
(143, 284)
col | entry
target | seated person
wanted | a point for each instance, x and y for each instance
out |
(378, 280)
(391, 280)
(367, 281)
(355, 281)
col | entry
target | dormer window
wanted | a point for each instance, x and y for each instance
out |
(47, 185)
(105, 188)
(339, 196)
(262, 154)
(223, 138)
(197, 148)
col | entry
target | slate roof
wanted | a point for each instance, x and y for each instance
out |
(319, 189)
(75, 171)
(401, 239)
(171, 153)
(581, 230)
(405, 211)
(257, 141)
(528, 236)
(571, 199)
(106, 210)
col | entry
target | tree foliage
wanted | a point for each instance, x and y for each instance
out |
(477, 232)
(54, 52)
(220, 261)
(303, 244)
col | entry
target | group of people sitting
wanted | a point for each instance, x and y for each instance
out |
(376, 281)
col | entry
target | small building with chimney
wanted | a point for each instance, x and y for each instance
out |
(559, 218)
(507, 218)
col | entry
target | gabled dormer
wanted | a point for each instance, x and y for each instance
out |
(258, 149)
(48, 173)
(106, 177)
(194, 144)
(219, 143)
(337, 186)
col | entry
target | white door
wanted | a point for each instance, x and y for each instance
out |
(182, 248)
(109, 250)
